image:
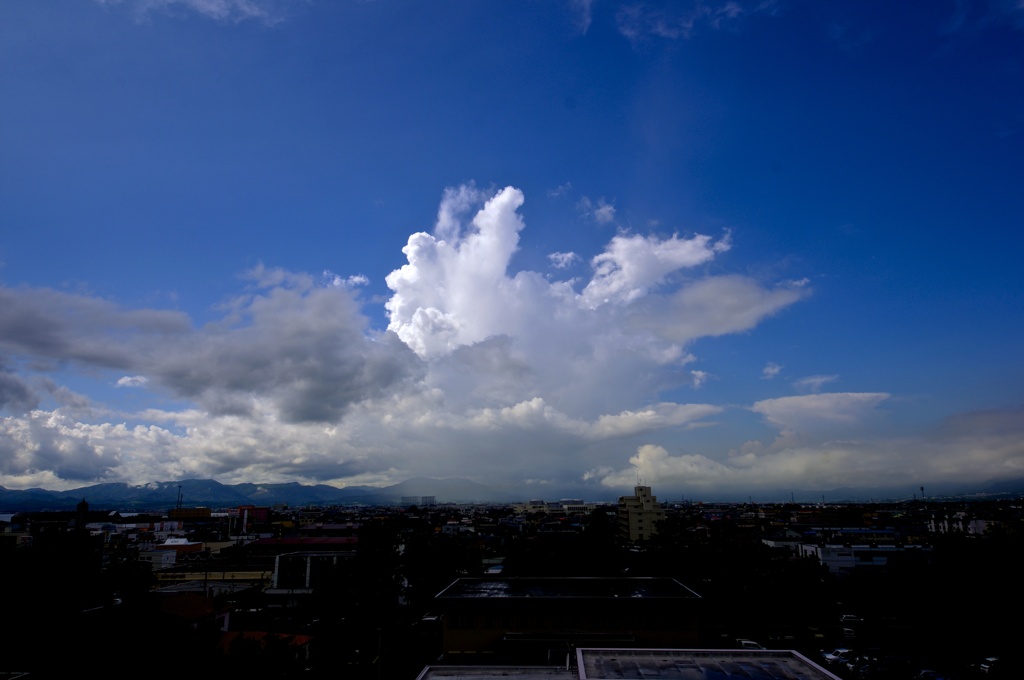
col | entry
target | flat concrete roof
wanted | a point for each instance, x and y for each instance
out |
(643, 664)
(568, 587)
(697, 664)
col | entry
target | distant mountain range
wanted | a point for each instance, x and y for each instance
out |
(209, 493)
(161, 496)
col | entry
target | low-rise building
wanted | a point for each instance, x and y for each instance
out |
(532, 620)
(843, 559)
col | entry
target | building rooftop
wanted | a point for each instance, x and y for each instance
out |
(697, 664)
(568, 587)
(645, 664)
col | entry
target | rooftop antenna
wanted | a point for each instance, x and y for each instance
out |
(179, 498)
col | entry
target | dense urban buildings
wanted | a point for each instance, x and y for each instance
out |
(898, 590)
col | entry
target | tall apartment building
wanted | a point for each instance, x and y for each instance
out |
(639, 514)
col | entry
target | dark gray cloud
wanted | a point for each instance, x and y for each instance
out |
(15, 394)
(70, 402)
(305, 350)
(48, 325)
(995, 423)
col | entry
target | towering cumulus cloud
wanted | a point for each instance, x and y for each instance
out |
(481, 371)
(493, 338)
(454, 291)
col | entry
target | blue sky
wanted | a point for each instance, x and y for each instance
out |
(746, 248)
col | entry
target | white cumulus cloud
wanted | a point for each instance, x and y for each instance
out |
(813, 411)
(493, 337)
(967, 449)
(632, 265)
(562, 260)
(482, 372)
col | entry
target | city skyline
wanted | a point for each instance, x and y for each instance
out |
(728, 248)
